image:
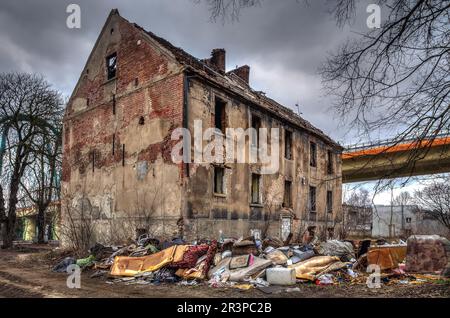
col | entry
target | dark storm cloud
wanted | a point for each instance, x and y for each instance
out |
(283, 41)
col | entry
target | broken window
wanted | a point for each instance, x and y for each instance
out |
(255, 188)
(287, 201)
(93, 160)
(219, 114)
(219, 180)
(113, 144)
(288, 144)
(312, 199)
(330, 169)
(256, 125)
(330, 201)
(312, 154)
(123, 155)
(111, 66)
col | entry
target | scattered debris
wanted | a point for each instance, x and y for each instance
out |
(267, 265)
(61, 267)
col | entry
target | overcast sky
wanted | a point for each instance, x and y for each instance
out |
(284, 42)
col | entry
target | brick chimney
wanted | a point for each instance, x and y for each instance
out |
(218, 59)
(243, 73)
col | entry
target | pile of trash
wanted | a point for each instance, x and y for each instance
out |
(249, 262)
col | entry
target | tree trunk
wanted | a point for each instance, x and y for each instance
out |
(10, 224)
(40, 223)
(10, 232)
(2, 214)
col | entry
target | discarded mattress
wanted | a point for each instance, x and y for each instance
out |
(196, 272)
(256, 265)
(277, 257)
(201, 268)
(223, 273)
(387, 257)
(314, 266)
(191, 256)
(428, 254)
(130, 266)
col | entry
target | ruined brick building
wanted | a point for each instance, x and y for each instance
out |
(134, 91)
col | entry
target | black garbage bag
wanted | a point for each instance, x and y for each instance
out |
(61, 267)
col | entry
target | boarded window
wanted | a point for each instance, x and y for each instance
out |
(256, 125)
(219, 180)
(330, 167)
(287, 201)
(255, 188)
(288, 144)
(312, 198)
(111, 66)
(330, 201)
(219, 115)
(312, 154)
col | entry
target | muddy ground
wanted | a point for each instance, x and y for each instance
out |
(25, 272)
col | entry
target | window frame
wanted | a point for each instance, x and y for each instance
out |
(219, 101)
(257, 119)
(288, 142)
(252, 194)
(108, 67)
(330, 162)
(287, 192)
(215, 183)
(330, 201)
(313, 154)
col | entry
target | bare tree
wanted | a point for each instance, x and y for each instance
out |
(404, 198)
(395, 78)
(78, 227)
(434, 200)
(360, 198)
(358, 212)
(40, 182)
(225, 9)
(27, 105)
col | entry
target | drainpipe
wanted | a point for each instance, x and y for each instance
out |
(186, 143)
(186, 119)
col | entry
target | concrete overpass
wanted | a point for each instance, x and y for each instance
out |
(386, 160)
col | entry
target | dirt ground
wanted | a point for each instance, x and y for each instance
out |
(26, 273)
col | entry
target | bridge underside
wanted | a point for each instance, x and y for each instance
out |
(389, 165)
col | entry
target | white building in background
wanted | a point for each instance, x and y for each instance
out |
(403, 221)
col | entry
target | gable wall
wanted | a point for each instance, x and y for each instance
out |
(119, 199)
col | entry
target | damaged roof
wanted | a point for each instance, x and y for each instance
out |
(233, 83)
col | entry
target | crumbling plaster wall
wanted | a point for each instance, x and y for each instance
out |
(207, 215)
(117, 166)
